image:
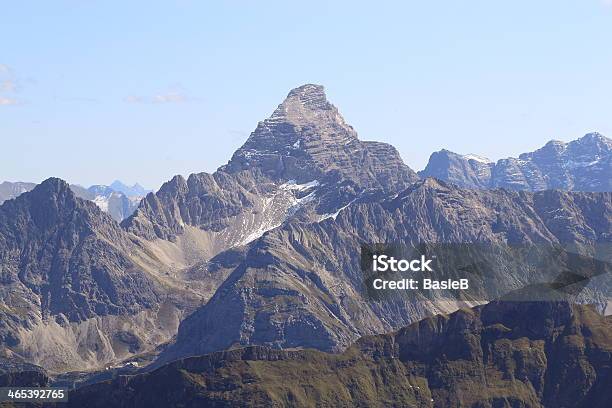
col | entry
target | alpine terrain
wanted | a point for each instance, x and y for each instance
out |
(260, 260)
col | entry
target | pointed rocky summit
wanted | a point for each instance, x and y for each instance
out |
(306, 137)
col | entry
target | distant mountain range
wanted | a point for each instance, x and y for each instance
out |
(581, 165)
(134, 191)
(10, 190)
(119, 200)
(266, 251)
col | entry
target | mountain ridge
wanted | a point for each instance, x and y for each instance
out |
(263, 294)
(584, 164)
(501, 354)
(119, 203)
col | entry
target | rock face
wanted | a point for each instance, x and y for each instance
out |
(300, 285)
(306, 139)
(501, 355)
(72, 276)
(582, 165)
(465, 171)
(72, 282)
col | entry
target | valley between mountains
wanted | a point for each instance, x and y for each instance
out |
(265, 252)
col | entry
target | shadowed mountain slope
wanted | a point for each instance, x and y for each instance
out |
(76, 290)
(525, 354)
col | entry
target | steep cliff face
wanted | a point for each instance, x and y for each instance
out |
(301, 285)
(584, 164)
(527, 354)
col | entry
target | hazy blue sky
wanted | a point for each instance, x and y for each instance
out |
(94, 91)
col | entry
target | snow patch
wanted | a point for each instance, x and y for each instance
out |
(335, 214)
(292, 185)
(576, 164)
(277, 208)
(101, 202)
(477, 158)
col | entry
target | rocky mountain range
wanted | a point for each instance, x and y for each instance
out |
(301, 284)
(76, 290)
(504, 354)
(305, 149)
(302, 194)
(584, 164)
(119, 200)
(264, 251)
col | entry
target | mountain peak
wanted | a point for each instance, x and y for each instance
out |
(55, 182)
(305, 106)
(581, 165)
(593, 135)
(309, 95)
(50, 203)
(54, 186)
(134, 191)
(303, 125)
(596, 138)
(308, 89)
(306, 138)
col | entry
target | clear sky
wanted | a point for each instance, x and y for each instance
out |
(92, 91)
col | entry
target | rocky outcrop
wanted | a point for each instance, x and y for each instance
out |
(582, 165)
(524, 354)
